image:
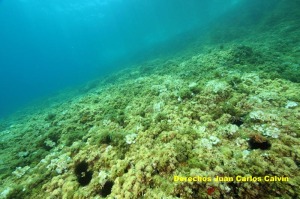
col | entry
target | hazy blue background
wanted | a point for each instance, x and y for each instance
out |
(48, 45)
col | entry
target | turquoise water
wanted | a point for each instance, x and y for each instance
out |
(149, 99)
(50, 45)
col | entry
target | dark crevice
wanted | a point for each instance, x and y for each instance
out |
(259, 142)
(237, 121)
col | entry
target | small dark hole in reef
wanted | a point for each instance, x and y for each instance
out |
(237, 121)
(83, 175)
(50, 117)
(234, 188)
(127, 169)
(107, 139)
(259, 142)
(106, 190)
(195, 192)
(297, 162)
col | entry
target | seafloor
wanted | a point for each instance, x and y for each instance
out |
(217, 109)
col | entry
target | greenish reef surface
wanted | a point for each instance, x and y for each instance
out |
(226, 106)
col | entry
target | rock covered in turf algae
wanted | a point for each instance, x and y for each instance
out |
(130, 138)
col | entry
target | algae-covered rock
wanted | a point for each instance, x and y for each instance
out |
(169, 127)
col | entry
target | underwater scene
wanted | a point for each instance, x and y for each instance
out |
(150, 99)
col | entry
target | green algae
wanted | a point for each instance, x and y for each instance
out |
(193, 115)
